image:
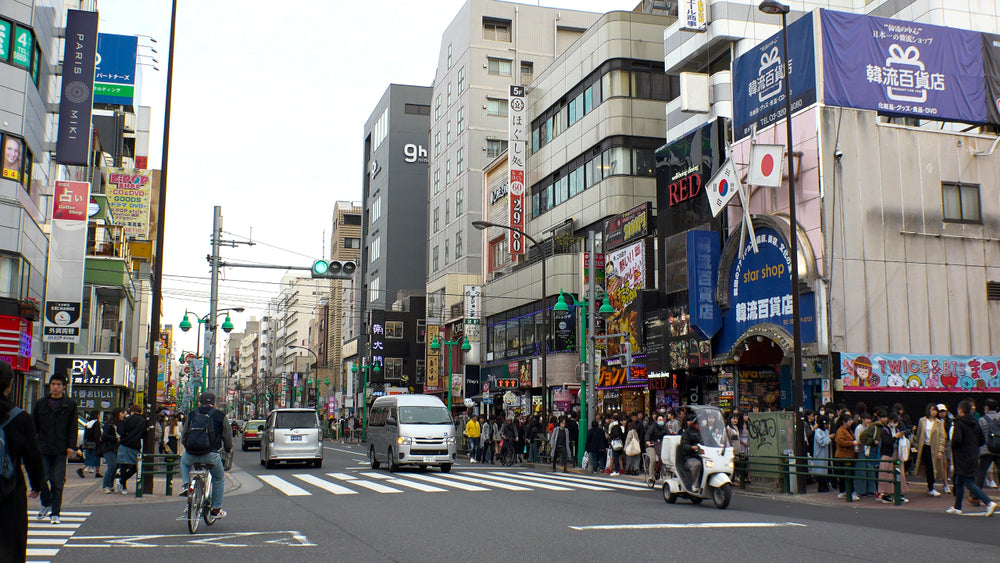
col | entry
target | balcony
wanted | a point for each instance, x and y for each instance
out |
(107, 241)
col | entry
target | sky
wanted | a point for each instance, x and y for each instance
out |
(268, 106)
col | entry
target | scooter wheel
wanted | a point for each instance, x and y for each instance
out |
(722, 495)
(668, 496)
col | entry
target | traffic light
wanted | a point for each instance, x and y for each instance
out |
(334, 269)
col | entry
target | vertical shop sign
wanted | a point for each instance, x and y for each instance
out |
(76, 101)
(516, 162)
(64, 275)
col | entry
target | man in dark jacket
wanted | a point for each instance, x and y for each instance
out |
(56, 425)
(689, 452)
(654, 435)
(966, 438)
(130, 434)
(223, 439)
(22, 447)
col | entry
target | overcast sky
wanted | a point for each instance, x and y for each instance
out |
(268, 109)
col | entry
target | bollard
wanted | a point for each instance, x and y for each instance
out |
(170, 476)
(897, 493)
(849, 484)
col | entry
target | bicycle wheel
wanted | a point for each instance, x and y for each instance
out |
(196, 500)
(206, 508)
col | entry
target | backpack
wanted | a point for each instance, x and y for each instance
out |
(201, 433)
(7, 477)
(993, 434)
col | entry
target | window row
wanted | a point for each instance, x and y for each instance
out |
(614, 78)
(587, 170)
(381, 130)
(19, 47)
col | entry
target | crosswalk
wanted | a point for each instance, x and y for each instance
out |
(362, 482)
(45, 539)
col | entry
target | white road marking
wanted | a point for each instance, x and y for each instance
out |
(546, 479)
(45, 538)
(41, 552)
(294, 539)
(444, 482)
(592, 480)
(679, 525)
(324, 484)
(47, 541)
(377, 487)
(342, 476)
(374, 475)
(540, 485)
(478, 481)
(284, 486)
(415, 485)
(61, 532)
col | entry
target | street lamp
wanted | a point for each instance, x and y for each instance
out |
(365, 369)
(315, 371)
(227, 326)
(435, 346)
(480, 225)
(774, 8)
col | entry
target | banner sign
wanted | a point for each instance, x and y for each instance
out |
(627, 227)
(75, 103)
(432, 383)
(128, 198)
(87, 371)
(760, 292)
(67, 250)
(15, 342)
(703, 263)
(114, 76)
(626, 277)
(991, 70)
(919, 372)
(693, 15)
(516, 161)
(683, 167)
(902, 67)
(759, 78)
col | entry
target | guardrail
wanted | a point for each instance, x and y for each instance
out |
(150, 466)
(784, 467)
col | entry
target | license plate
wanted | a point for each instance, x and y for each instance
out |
(295, 438)
(428, 459)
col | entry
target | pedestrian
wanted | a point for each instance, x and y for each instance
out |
(819, 465)
(633, 445)
(673, 425)
(18, 432)
(158, 435)
(966, 439)
(574, 436)
(867, 463)
(846, 453)
(486, 440)
(596, 444)
(130, 434)
(91, 443)
(989, 423)
(890, 432)
(56, 427)
(616, 437)
(109, 446)
(930, 442)
(532, 436)
(560, 444)
(173, 434)
(472, 432)
(946, 461)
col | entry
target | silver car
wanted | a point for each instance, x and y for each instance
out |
(291, 435)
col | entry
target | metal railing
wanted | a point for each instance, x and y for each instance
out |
(168, 464)
(785, 467)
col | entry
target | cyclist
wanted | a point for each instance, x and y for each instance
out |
(221, 437)
(654, 437)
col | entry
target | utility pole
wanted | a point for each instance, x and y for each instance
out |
(213, 302)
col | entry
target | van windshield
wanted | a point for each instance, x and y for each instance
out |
(424, 415)
(295, 420)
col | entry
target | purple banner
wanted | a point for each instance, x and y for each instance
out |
(902, 68)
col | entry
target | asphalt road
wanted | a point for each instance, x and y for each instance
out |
(345, 511)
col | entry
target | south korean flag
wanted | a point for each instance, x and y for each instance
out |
(722, 187)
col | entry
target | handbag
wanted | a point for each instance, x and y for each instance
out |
(903, 449)
(617, 445)
(586, 460)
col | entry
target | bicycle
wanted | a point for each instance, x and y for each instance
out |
(657, 470)
(199, 497)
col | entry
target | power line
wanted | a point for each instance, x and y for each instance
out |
(268, 245)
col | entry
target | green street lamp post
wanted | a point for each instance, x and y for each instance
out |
(545, 314)
(210, 327)
(435, 346)
(365, 369)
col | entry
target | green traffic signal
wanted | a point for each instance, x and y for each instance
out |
(334, 269)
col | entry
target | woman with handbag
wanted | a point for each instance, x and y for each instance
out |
(617, 435)
(90, 447)
(633, 449)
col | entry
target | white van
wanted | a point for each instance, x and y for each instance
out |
(411, 430)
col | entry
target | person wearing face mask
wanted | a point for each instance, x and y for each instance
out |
(654, 436)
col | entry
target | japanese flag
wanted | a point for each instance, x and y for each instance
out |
(722, 187)
(765, 165)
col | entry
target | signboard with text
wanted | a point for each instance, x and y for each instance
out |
(919, 372)
(516, 162)
(114, 75)
(64, 275)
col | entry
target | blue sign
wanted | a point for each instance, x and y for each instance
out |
(759, 78)
(902, 67)
(114, 75)
(703, 268)
(760, 292)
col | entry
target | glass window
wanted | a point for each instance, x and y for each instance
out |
(437, 181)
(534, 139)
(459, 203)
(593, 171)
(645, 162)
(579, 105)
(461, 80)
(447, 133)
(615, 83)
(394, 329)
(642, 84)
(447, 211)
(496, 107)
(10, 278)
(535, 209)
(496, 30)
(527, 72)
(459, 162)
(461, 120)
(437, 143)
(449, 95)
(576, 181)
(562, 190)
(447, 172)
(449, 55)
(499, 67)
(447, 255)
(434, 259)
(437, 107)
(458, 244)
(618, 161)
(437, 218)
(588, 100)
(571, 112)
(961, 203)
(527, 323)
(495, 147)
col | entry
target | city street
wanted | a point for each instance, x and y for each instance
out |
(345, 511)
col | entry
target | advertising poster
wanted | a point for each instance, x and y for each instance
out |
(759, 78)
(758, 387)
(76, 100)
(627, 227)
(15, 342)
(902, 67)
(64, 275)
(114, 75)
(919, 372)
(13, 154)
(129, 199)
(626, 277)
(991, 70)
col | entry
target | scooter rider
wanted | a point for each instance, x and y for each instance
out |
(654, 436)
(690, 451)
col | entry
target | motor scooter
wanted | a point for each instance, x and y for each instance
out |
(716, 459)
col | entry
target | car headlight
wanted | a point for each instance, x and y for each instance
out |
(709, 464)
(449, 440)
(404, 440)
(732, 465)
